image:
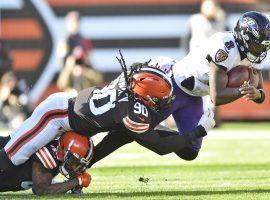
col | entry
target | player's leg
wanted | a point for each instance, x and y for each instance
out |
(186, 120)
(3, 141)
(5, 162)
(48, 121)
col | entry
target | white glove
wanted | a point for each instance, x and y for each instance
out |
(207, 120)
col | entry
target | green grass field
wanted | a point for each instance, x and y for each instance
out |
(233, 164)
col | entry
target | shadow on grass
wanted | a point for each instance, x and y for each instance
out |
(107, 195)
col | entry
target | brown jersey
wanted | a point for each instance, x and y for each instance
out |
(20, 177)
(97, 110)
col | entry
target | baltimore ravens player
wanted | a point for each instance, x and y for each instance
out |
(69, 155)
(202, 72)
(129, 104)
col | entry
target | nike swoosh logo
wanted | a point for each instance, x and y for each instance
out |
(141, 118)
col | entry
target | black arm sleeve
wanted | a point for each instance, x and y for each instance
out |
(162, 140)
(110, 143)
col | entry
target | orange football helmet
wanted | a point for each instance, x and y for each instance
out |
(75, 152)
(152, 86)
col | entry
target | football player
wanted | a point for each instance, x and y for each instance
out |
(130, 104)
(69, 155)
(202, 72)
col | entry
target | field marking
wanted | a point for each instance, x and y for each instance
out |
(243, 134)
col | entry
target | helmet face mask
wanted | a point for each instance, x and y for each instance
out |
(252, 34)
(160, 104)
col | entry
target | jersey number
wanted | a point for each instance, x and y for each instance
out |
(140, 109)
(229, 45)
(102, 101)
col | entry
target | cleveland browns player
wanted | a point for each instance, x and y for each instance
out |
(203, 72)
(69, 155)
(129, 104)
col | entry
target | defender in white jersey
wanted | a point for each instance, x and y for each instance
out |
(202, 72)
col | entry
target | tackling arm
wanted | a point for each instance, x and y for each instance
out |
(42, 181)
(219, 93)
(164, 141)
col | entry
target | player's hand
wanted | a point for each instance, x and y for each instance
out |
(84, 179)
(249, 92)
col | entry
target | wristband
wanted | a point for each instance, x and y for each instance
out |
(260, 100)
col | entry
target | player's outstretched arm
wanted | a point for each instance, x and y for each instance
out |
(112, 141)
(219, 93)
(42, 181)
(163, 140)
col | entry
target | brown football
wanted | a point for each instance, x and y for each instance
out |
(237, 76)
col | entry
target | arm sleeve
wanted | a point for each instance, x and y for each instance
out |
(162, 140)
(46, 158)
(111, 142)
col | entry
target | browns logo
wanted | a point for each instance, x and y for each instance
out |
(221, 55)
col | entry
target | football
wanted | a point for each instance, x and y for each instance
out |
(237, 76)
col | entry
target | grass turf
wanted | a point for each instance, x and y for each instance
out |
(230, 165)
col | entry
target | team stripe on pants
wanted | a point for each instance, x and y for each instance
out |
(29, 135)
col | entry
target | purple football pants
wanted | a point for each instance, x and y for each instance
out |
(187, 110)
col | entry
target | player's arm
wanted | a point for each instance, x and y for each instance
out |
(137, 124)
(111, 142)
(160, 140)
(42, 181)
(218, 80)
(164, 141)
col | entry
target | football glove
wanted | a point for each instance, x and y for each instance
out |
(207, 121)
(84, 179)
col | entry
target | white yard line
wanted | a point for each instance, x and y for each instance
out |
(243, 134)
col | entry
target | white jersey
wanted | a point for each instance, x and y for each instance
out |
(221, 49)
